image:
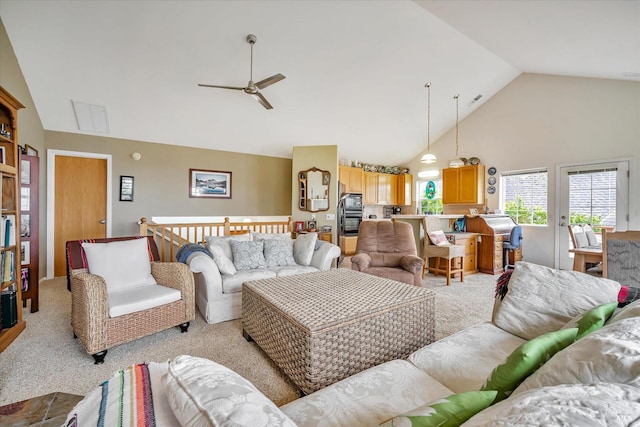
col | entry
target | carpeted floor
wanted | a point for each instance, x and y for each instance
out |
(45, 358)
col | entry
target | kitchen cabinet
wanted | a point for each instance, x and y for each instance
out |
(387, 189)
(404, 187)
(463, 185)
(351, 179)
(348, 244)
(370, 196)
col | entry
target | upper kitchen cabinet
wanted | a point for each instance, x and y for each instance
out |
(405, 184)
(463, 185)
(370, 188)
(351, 179)
(387, 189)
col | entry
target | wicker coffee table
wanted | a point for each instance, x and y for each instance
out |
(322, 327)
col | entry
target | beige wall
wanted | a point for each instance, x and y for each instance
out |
(323, 157)
(260, 185)
(545, 121)
(30, 130)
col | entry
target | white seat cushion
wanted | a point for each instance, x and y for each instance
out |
(367, 398)
(232, 284)
(464, 360)
(121, 264)
(140, 298)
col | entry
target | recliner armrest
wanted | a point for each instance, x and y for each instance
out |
(411, 263)
(361, 261)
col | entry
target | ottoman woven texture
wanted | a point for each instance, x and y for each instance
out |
(322, 327)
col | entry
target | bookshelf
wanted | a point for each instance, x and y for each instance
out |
(10, 286)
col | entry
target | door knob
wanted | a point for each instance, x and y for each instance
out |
(102, 221)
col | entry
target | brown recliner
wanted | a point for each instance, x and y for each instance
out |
(388, 249)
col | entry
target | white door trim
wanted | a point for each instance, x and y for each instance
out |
(620, 213)
(51, 173)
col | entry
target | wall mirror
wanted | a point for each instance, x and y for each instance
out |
(313, 190)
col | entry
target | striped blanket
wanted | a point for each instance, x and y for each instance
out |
(124, 400)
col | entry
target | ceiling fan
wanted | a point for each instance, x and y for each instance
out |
(252, 88)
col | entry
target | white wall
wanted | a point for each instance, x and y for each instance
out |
(542, 121)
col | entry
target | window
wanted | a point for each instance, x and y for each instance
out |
(592, 197)
(426, 205)
(523, 196)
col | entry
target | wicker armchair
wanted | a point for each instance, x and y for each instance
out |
(90, 319)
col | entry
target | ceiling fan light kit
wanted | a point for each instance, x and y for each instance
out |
(252, 88)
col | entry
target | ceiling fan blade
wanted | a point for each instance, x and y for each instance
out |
(269, 81)
(222, 87)
(262, 100)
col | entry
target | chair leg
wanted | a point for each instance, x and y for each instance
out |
(449, 261)
(461, 269)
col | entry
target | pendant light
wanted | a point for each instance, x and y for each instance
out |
(428, 158)
(457, 162)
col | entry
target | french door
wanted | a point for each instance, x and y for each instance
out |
(591, 193)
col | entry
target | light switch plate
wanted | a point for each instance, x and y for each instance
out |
(331, 217)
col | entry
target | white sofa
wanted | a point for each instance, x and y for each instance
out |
(594, 380)
(219, 295)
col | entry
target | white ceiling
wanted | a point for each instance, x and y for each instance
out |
(355, 70)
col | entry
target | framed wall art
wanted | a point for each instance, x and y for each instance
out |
(209, 183)
(126, 188)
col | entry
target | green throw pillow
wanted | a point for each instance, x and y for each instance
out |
(526, 359)
(449, 411)
(594, 319)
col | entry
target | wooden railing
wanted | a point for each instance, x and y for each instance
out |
(170, 237)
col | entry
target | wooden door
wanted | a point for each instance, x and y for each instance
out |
(80, 203)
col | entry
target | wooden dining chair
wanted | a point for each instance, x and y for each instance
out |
(620, 254)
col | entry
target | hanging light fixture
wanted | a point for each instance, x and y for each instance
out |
(428, 158)
(457, 162)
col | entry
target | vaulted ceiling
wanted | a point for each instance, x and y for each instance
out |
(355, 70)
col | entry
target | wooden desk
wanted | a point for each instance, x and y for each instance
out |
(583, 256)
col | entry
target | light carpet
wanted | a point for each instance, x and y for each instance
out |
(46, 358)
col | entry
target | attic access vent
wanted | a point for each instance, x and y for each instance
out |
(91, 118)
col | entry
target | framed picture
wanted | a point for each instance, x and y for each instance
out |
(311, 225)
(126, 188)
(25, 170)
(25, 225)
(299, 225)
(3, 156)
(30, 150)
(208, 183)
(25, 252)
(326, 229)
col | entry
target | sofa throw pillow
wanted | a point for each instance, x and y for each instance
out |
(450, 411)
(628, 295)
(555, 296)
(204, 393)
(565, 405)
(303, 248)
(225, 265)
(438, 238)
(123, 264)
(270, 236)
(223, 242)
(592, 320)
(279, 252)
(525, 360)
(248, 255)
(627, 312)
(609, 355)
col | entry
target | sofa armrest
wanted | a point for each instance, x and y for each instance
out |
(201, 263)
(361, 261)
(178, 276)
(411, 263)
(89, 309)
(324, 255)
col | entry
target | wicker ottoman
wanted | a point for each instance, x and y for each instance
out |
(322, 327)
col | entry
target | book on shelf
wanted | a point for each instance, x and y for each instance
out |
(8, 273)
(9, 308)
(24, 275)
(7, 230)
